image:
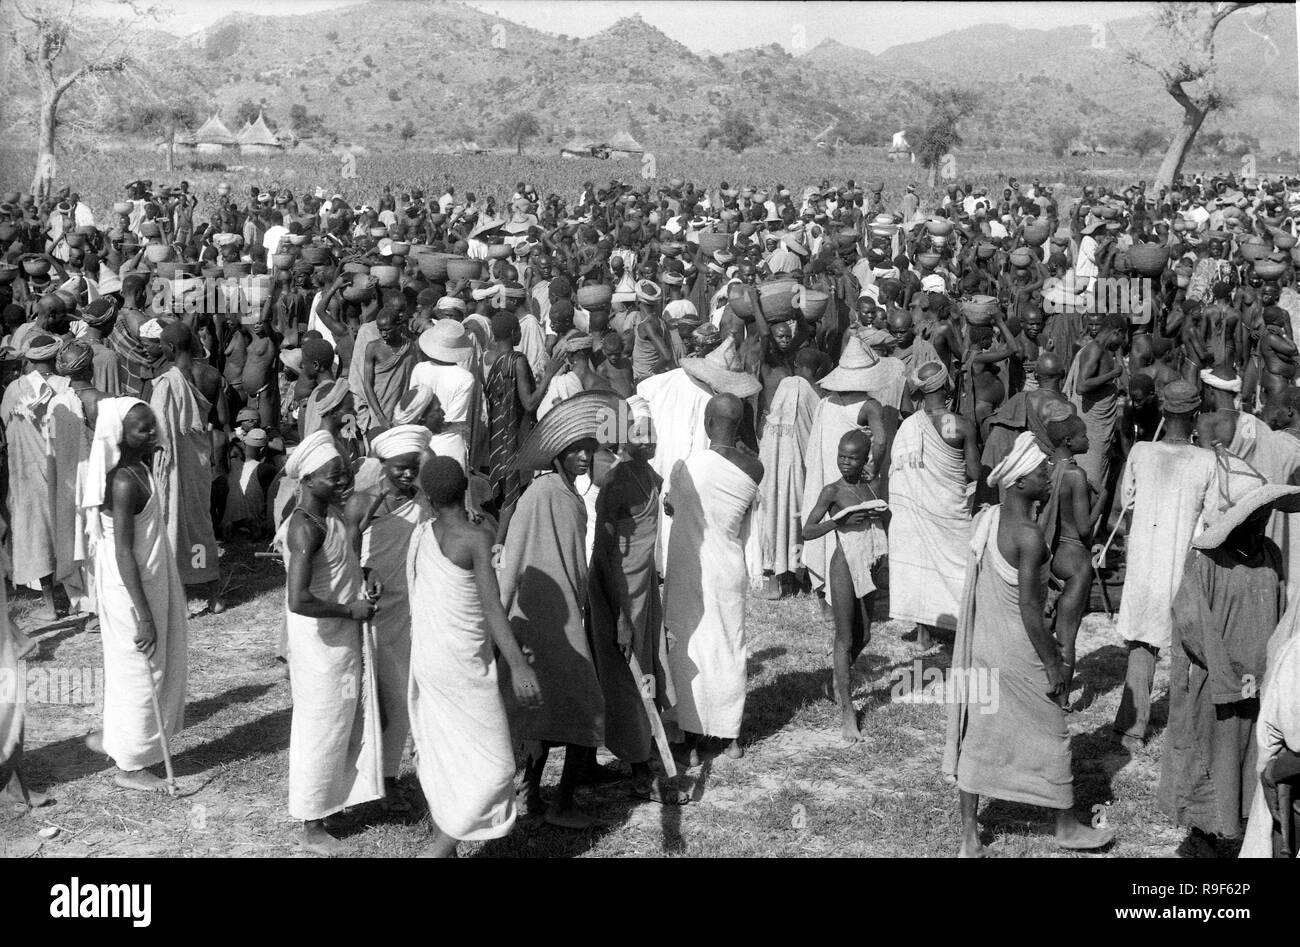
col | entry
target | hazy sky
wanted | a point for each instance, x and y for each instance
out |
(723, 25)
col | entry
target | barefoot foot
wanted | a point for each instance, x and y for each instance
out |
(141, 780)
(317, 840)
(849, 731)
(1075, 836)
(95, 741)
(734, 750)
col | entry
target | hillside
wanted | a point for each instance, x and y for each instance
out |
(454, 72)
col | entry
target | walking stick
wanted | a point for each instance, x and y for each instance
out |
(646, 689)
(162, 728)
(1099, 560)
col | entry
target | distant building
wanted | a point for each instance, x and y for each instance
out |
(255, 138)
(212, 137)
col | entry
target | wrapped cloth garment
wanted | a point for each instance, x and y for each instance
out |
(463, 751)
(335, 746)
(1015, 747)
(704, 593)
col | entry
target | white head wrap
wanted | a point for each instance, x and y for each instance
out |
(1024, 459)
(315, 451)
(933, 284)
(152, 329)
(105, 452)
(399, 440)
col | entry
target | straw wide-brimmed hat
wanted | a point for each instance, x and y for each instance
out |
(857, 369)
(586, 414)
(721, 371)
(446, 341)
(485, 224)
(1276, 496)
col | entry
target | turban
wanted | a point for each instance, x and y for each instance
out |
(42, 348)
(933, 284)
(247, 414)
(105, 452)
(451, 302)
(673, 279)
(315, 451)
(1025, 457)
(73, 357)
(575, 341)
(99, 313)
(415, 410)
(329, 400)
(648, 292)
(256, 438)
(870, 291)
(500, 294)
(935, 382)
(1180, 397)
(399, 440)
(153, 329)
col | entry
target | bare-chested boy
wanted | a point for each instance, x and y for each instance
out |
(859, 545)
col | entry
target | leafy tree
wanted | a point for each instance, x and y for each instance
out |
(407, 132)
(947, 109)
(1146, 140)
(737, 133)
(1181, 54)
(518, 128)
(1059, 137)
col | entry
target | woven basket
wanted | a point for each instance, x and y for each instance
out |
(1148, 259)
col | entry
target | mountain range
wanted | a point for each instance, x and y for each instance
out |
(360, 73)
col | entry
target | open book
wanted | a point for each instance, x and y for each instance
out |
(869, 505)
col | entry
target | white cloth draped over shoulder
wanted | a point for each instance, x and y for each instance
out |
(464, 756)
(334, 740)
(930, 527)
(131, 735)
(677, 402)
(704, 593)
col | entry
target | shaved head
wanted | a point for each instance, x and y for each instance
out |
(1050, 365)
(725, 409)
(856, 439)
(1216, 427)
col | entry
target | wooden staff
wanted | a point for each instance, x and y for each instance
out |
(162, 727)
(645, 685)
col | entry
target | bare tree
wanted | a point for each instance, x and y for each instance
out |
(1183, 58)
(58, 48)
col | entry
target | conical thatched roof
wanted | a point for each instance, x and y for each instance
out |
(258, 133)
(623, 141)
(214, 132)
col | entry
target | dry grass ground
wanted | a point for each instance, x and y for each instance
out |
(798, 791)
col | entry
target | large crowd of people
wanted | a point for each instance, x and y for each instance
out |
(524, 466)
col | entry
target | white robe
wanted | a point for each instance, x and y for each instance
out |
(704, 593)
(677, 402)
(334, 739)
(131, 735)
(1165, 484)
(931, 526)
(463, 753)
